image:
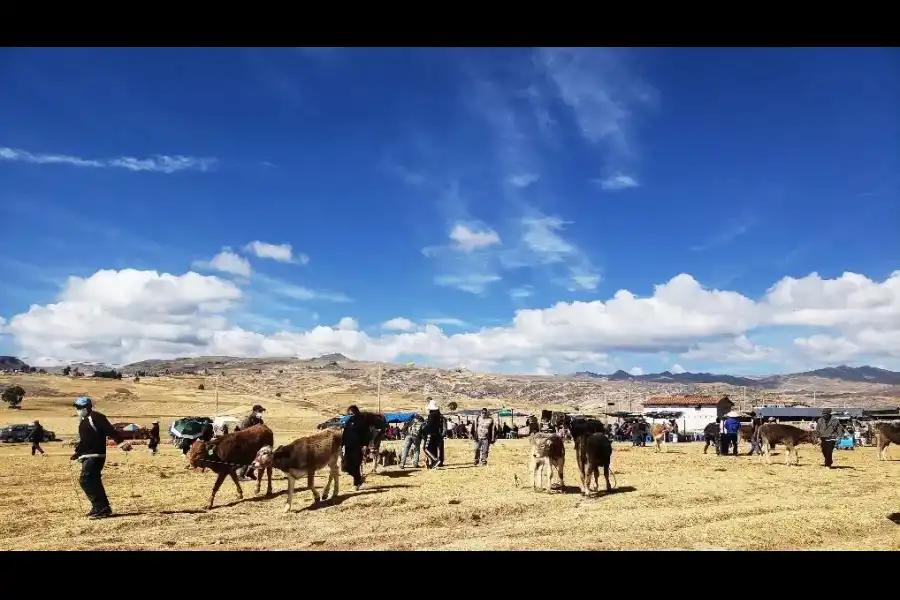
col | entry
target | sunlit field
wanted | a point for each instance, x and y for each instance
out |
(677, 499)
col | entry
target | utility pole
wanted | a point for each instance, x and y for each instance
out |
(217, 394)
(379, 388)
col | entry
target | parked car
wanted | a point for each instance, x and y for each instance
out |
(21, 433)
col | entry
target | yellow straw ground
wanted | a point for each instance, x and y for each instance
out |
(678, 499)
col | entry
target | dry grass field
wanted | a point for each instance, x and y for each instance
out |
(680, 499)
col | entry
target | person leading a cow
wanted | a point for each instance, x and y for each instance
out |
(153, 438)
(254, 418)
(37, 436)
(732, 428)
(93, 429)
(354, 439)
(830, 430)
(484, 436)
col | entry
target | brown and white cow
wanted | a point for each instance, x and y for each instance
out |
(547, 452)
(773, 433)
(885, 433)
(658, 433)
(225, 455)
(305, 456)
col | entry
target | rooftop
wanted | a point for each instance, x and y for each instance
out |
(682, 401)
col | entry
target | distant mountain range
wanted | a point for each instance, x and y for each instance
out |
(842, 373)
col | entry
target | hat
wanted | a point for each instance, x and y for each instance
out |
(432, 405)
(83, 402)
(826, 411)
(733, 414)
(258, 408)
(154, 422)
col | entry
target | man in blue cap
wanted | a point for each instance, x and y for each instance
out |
(93, 429)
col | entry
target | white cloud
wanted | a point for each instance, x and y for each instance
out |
(618, 182)
(347, 324)
(676, 368)
(603, 95)
(398, 324)
(155, 164)
(636, 371)
(129, 315)
(467, 240)
(227, 261)
(521, 292)
(277, 252)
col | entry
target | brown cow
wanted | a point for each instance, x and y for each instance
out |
(658, 433)
(225, 455)
(547, 451)
(772, 433)
(593, 449)
(305, 456)
(885, 433)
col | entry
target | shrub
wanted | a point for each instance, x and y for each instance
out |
(452, 406)
(278, 394)
(14, 395)
(136, 379)
(201, 387)
(66, 371)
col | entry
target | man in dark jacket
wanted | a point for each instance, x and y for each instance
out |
(354, 439)
(93, 429)
(37, 436)
(711, 436)
(434, 436)
(153, 439)
(830, 431)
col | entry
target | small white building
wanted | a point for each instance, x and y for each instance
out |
(693, 412)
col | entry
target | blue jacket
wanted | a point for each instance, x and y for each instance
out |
(732, 425)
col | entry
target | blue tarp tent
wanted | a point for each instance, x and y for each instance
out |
(399, 417)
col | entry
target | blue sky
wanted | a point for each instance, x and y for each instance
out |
(453, 187)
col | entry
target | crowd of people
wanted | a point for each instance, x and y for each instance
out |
(419, 435)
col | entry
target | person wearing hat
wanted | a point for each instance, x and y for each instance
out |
(254, 418)
(93, 429)
(354, 438)
(36, 437)
(732, 428)
(153, 438)
(434, 436)
(830, 430)
(484, 437)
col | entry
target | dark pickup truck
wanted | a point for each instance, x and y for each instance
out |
(22, 433)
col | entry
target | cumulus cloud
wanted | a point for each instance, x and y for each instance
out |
(227, 261)
(676, 368)
(278, 252)
(347, 324)
(154, 164)
(129, 315)
(398, 324)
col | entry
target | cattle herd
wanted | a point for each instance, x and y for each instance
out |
(254, 447)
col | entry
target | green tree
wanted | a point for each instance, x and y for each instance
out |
(452, 406)
(14, 395)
